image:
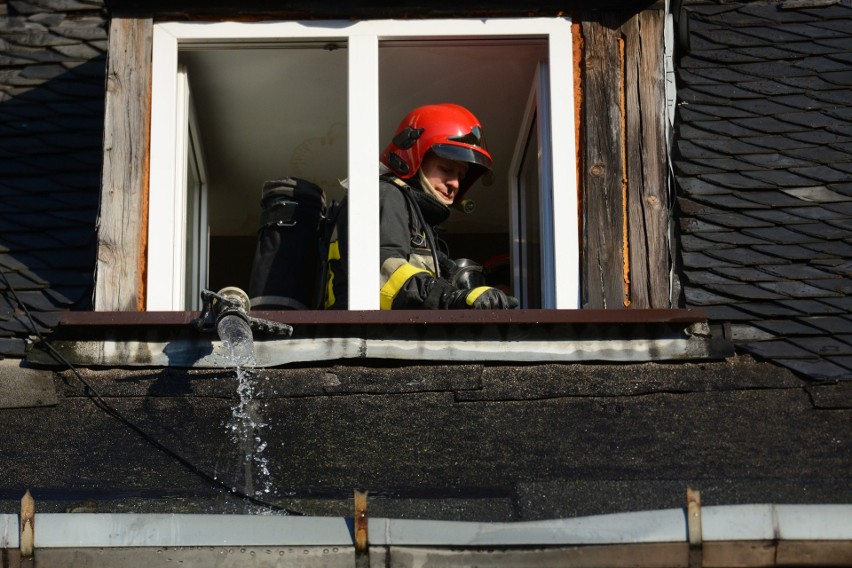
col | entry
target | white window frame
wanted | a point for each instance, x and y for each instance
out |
(362, 39)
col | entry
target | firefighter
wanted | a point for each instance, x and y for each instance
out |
(437, 153)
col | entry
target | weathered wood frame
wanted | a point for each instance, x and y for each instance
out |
(622, 177)
(123, 218)
(626, 260)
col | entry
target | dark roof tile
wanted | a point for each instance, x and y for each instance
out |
(817, 154)
(772, 13)
(729, 201)
(735, 220)
(691, 243)
(836, 249)
(816, 369)
(790, 252)
(696, 186)
(705, 277)
(715, 111)
(795, 289)
(775, 309)
(720, 127)
(776, 216)
(764, 53)
(13, 347)
(821, 315)
(724, 164)
(774, 69)
(768, 125)
(776, 349)
(39, 301)
(743, 273)
(815, 30)
(809, 119)
(844, 208)
(841, 286)
(691, 225)
(820, 47)
(842, 361)
(820, 212)
(694, 151)
(727, 314)
(823, 230)
(746, 256)
(824, 174)
(735, 180)
(701, 297)
(747, 292)
(728, 56)
(767, 87)
(843, 303)
(818, 137)
(779, 178)
(690, 168)
(798, 271)
(711, 75)
(780, 142)
(787, 327)
(778, 235)
(700, 260)
(836, 96)
(816, 194)
(772, 198)
(716, 92)
(843, 189)
(732, 238)
(800, 101)
(731, 147)
(823, 345)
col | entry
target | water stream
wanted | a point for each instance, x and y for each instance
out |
(246, 422)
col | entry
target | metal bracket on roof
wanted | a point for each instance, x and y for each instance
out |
(693, 524)
(362, 543)
(27, 525)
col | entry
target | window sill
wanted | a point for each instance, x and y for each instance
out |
(169, 339)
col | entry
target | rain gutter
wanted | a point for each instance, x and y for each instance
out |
(721, 523)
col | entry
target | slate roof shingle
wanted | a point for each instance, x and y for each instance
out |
(52, 72)
(764, 118)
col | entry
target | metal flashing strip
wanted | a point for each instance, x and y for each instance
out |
(207, 353)
(721, 523)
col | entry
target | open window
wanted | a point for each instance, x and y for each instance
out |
(319, 101)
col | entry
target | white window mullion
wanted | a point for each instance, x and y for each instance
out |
(363, 172)
(566, 247)
(161, 189)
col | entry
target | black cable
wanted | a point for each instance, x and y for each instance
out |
(101, 403)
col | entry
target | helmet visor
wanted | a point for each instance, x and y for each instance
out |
(463, 154)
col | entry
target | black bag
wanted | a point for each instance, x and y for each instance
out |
(291, 250)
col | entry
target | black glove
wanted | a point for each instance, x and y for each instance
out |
(484, 298)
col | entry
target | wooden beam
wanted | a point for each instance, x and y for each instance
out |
(603, 284)
(647, 195)
(122, 223)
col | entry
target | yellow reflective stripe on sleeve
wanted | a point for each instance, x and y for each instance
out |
(395, 283)
(333, 254)
(474, 294)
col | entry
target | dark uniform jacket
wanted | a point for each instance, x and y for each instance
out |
(411, 262)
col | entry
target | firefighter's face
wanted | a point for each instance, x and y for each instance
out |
(443, 176)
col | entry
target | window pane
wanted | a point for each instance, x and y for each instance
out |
(492, 78)
(264, 114)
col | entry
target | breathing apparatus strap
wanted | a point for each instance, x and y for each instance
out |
(417, 224)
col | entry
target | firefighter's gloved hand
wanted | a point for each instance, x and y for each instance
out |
(488, 298)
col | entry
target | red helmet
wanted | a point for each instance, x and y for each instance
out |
(449, 130)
